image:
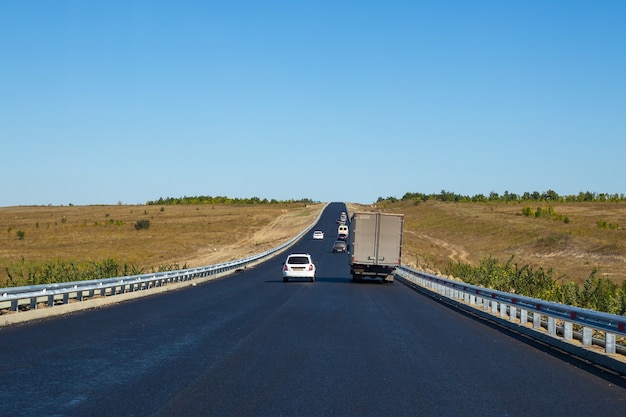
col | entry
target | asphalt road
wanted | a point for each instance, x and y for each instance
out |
(251, 345)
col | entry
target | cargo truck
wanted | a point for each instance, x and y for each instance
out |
(375, 245)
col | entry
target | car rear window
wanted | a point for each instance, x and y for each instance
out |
(298, 260)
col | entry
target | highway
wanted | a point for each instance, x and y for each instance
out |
(250, 345)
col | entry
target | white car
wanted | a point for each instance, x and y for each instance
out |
(299, 265)
(318, 234)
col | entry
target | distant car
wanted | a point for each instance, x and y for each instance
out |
(299, 265)
(318, 234)
(342, 236)
(340, 246)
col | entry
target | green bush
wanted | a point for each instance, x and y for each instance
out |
(16, 274)
(142, 224)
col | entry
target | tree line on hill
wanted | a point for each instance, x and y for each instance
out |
(535, 196)
(207, 199)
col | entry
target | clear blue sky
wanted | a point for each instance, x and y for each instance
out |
(127, 101)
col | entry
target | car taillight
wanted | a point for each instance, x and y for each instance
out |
(310, 267)
(285, 268)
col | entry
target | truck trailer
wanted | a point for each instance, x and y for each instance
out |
(375, 245)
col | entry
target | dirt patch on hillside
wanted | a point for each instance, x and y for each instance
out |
(455, 253)
(279, 231)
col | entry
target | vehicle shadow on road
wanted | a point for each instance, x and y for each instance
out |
(335, 280)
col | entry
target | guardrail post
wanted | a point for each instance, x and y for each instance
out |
(551, 325)
(587, 336)
(494, 307)
(610, 343)
(513, 315)
(568, 330)
(523, 316)
(502, 310)
(536, 321)
(472, 299)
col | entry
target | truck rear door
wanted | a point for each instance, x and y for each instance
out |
(389, 239)
(363, 238)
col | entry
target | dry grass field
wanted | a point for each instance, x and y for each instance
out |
(186, 235)
(436, 233)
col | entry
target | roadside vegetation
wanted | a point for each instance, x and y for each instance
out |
(596, 293)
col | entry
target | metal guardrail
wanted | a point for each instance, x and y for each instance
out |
(30, 297)
(560, 323)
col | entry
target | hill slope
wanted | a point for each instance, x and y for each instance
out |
(570, 238)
